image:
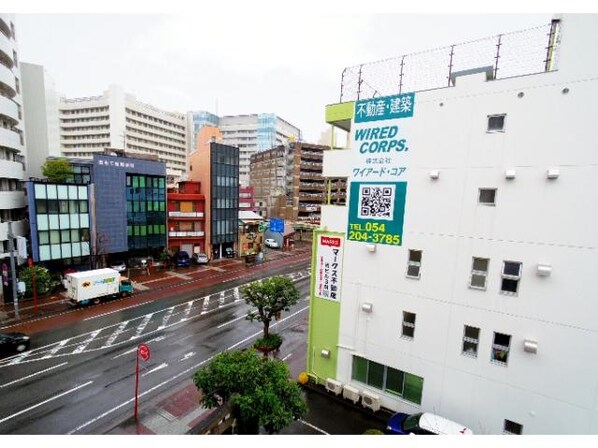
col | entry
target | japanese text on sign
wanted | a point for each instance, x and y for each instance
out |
(329, 267)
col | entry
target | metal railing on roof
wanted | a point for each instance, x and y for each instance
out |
(519, 53)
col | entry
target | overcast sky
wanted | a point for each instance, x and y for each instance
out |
(276, 61)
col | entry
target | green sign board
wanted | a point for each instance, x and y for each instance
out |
(376, 212)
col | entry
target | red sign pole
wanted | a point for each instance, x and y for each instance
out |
(136, 383)
(143, 351)
(33, 283)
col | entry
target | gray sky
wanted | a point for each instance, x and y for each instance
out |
(276, 61)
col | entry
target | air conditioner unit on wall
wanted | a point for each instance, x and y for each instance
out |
(351, 393)
(334, 386)
(370, 400)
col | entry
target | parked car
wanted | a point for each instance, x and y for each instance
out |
(11, 343)
(424, 423)
(119, 266)
(229, 252)
(182, 259)
(200, 259)
(270, 242)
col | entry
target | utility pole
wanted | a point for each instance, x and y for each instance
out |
(13, 269)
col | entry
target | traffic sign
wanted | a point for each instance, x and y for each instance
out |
(144, 352)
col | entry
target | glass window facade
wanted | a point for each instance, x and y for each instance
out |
(62, 214)
(225, 193)
(393, 381)
(146, 211)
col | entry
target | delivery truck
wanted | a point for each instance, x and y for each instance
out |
(83, 288)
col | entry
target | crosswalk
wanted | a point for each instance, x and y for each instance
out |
(142, 326)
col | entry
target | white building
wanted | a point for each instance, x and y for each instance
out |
(89, 125)
(12, 139)
(486, 313)
(40, 103)
(250, 133)
(118, 120)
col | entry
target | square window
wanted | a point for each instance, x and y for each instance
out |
(487, 196)
(479, 273)
(414, 263)
(408, 325)
(513, 428)
(511, 274)
(471, 339)
(500, 348)
(496, 123)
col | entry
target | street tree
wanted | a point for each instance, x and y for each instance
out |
(259, 390)
(269, 297)
(57, 170)
(43, 280)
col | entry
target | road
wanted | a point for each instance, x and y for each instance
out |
(79, 375)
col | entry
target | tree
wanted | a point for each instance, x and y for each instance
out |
(57, 170)
(259, 390)
(43, 280)
(270, 297)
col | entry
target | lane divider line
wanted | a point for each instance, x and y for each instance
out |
(33, 374)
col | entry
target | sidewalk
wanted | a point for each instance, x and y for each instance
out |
(53, 304)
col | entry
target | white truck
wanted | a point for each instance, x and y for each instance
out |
(83, 288)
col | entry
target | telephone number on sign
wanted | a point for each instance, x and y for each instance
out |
(378, 238)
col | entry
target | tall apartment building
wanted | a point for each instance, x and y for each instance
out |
(288, 182)
(460, 277)
(12, 138)
(87, 126)
(250, 133)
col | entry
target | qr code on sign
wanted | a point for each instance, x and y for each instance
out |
(376, 202)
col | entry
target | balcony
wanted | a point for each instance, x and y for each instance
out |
(6, 48)
(185, 214)
(19, 228)
(7, 78)
(10, 139)
(12, 199)
(187, 234)
(10, 169)
(9, 109)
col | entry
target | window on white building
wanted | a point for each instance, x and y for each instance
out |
(511, 274)
(471, 339)
(513, 428)
(414, 263)
(487, 196)
(500, 348)
(408, 325)
(496, 123)
(479, 273)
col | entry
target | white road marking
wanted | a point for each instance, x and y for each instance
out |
(187, 310)
(115, 311)
(160, 367)
(166, 318)
(142, 326)
(116, 333)
(230, 322)
(133, 350)
(116, 408)
(88, 341)
(19, 358)
(313, 427)
(30, 408)
(287, 357)
(187, 356)
(33, 374)
(56, 349)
